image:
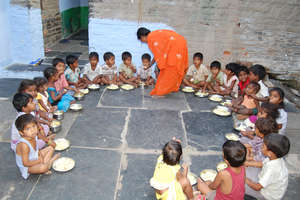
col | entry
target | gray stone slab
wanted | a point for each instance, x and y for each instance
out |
(7, 116)
(152, 129)
(205, 131)
(9, 86)
(199, 104)
(122, 98)
(200, 163)
(94, 177)
(135, 178)
(100, 127)
(293, 188)
(92, 99)
(12, 185)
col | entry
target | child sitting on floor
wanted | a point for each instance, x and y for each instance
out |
(92, 71)
(277, 97)
(243, 75)
(197, 72)
(230, 182)
(145, 71)
(257, 74)
(273, 178)
(230, 81)
(72, 73)
(215, 78)
(42, 95)
(109, 69)
(28, 157)
(59, 98)
(127, 70)
(167, 180)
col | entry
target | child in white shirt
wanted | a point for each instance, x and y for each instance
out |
(145, 71)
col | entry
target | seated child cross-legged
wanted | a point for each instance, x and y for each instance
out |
(230, 81)
(109, 70)
(215, 79)
(43, 96)
(72, 73)
(229, 183)
(29, 159)
(127, 70)
(92, 71)
(145, 71)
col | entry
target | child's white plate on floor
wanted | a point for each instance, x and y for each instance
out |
(221, 166)
(63, 164)
(192, 178)
(226, 103)
(208, 175)
(84, 91)
(61, 144)
(188, 89)
(216, 98)
(93, 86)
(112, 87)
(76, 107)
(201, 94)
(222, 111)
(127, 87)
(232, 136)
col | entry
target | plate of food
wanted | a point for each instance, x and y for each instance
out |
(84, 91)
(63, 164)
(208, 175)
(112, 87)
(216, 98)
(55, 123)
(222, 111)
(79, 96)
(94, 86)
(221, 166)
(192, 178)
(61, 144)
(201, 94)
(227, 102)
(127, 87)
(232, 136)
(241, 127)
(76, 107)
(188, 89)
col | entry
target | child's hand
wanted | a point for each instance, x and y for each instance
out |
(175, 139)
(52, 144)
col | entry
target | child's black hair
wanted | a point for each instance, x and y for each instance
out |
(49, 72)
(198, 55)
(215, 64)
(146, 56)
(281, 94)
(233, 67)
(255, 85)
(21, 100)
(55, 61)
(270, 109)
(23, 121)
(40, 81)
(108, 55)
(94, 55)
(234, 152)
(242, 69)
(142, 32)
(266, 125)
(71, 59)
(25, 84)
(172, 152)
(126, 55)
(278, 144)
(259, 71)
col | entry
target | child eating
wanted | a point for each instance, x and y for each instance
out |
(257, 74)
(72, 73)
(145, 71)
(28, 157)
(215, 79)
(92, 71)
(109, 69)
(243, 75)
(127, 70)
(230, 80)
(42, 95)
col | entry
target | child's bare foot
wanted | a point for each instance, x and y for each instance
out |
(51, 136)
(55, 157)
(48, 172)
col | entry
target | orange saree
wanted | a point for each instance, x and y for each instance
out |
(171, 56)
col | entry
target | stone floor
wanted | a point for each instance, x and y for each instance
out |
(116, 139)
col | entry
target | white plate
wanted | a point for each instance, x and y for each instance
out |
(201, 94)
(61, 144)
(76, 106)
(216, 98)
(221, 112)
(221, 166)
(63, 164)
(192, 178)
(93, 86)
(208, 175)
(78, 94)
(112, 87)
(84, 91)
(188, 89)
(226, 103)
(127, 87)
(232, 136)
(55, 123)
(58, 112)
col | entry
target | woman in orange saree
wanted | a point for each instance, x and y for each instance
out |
(171, 56)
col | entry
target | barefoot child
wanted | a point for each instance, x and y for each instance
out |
(72, 73)
(127, 70)
(28, 157)
(92, 71)
(43, 96)
(230, 81)
(215, 79)
(243, 75)
(229, 183)
(109, 69)
(145, 71)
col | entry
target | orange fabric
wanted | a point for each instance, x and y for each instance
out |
(171, 55)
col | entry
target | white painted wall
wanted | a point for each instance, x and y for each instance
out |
(5, 57)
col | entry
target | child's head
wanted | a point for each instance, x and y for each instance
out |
(28, 86)
(231, 69)
(234, 153)
(265, 126)
(109, 58)
(72, 61)
(126, 57)
(215, 67)
(23, 102)
(252, 88)
(243, 73)
(41, 83)
(197, 59)
(50, 74)
(257, 73)
(268, 110)
(276, 96)
(94, 59)
(59, 64)
(276, 145)
(27, 126)
(172, 152)
(146, 59)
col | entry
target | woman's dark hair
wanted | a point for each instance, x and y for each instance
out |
(281, 94)
(108, 55)
(126, 55)
(94, 55)
(172, 152)
(55, 61)
(270, 109)
(146, 56)
(266, 125)
(278, 144)
(259, 71)
(70, 59)
(21, 100)
(142, 32)
(25, 84)
(242, 69)
(40, 81)
(23, 121)
(49, 72)
(198, 55)
(234, 152)
(233, 67)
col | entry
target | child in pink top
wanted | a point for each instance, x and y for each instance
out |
(229, 183)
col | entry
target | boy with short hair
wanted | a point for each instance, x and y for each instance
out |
(92, 71)
(215, 78)
(72, 73)
(127, 70)
(109, 69)
(145, 71)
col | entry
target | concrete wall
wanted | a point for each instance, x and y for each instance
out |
(259, 31)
